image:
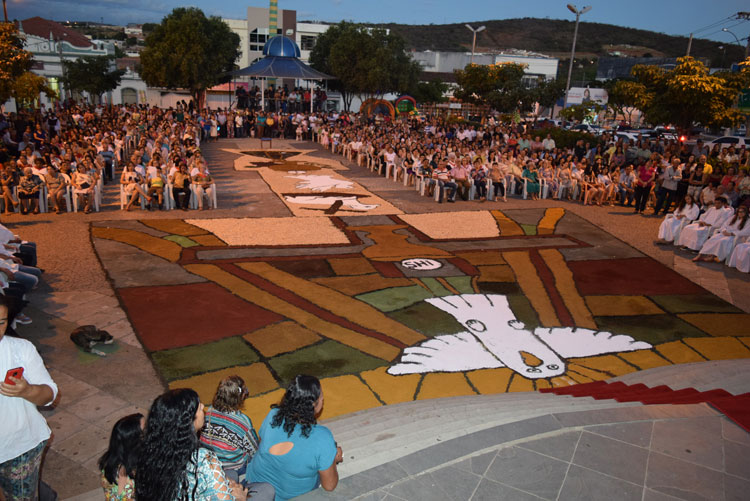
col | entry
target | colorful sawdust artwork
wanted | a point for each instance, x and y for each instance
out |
(393, 308)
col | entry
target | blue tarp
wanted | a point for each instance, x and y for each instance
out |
(281, 67)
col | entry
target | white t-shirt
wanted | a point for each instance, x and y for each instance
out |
(23, 428)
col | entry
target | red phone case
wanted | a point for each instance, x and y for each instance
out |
(16, 373)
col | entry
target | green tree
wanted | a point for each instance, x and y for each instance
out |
(688, 94)
(28, 87)
(366, 62)
(14, 60)
(92, 74)
(498, 85)
(147, 28)
(622, 97)
(579, 112)
(431, 92)
(189, 51)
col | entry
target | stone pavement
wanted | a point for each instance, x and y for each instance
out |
(95, 392)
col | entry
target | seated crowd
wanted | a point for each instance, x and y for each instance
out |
(62, 158)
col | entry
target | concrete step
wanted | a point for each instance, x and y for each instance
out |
(731, 375)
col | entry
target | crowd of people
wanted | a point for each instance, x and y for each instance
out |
(183, 451)
(52, 156)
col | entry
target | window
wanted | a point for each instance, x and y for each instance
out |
(307, 42)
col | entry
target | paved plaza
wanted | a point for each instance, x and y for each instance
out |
(315, 265)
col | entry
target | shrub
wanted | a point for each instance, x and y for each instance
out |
(565, 138)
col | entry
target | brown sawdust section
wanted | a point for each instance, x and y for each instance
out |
(153, 245)
(174, 226)
(390, 246)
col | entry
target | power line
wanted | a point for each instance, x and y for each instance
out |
(709, 26)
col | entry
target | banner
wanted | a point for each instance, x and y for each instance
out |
(578, 95)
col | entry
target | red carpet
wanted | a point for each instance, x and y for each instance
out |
(735, 407)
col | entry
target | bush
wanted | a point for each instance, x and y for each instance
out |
(565, 138)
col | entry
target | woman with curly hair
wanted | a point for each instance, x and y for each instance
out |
(296, 454)
(171, 466)
(118, 462)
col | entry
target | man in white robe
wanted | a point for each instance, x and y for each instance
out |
(694, 235)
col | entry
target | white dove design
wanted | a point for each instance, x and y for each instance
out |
(495, 338)
(321, 183)
(350, 203)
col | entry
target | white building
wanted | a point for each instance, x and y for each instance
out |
(443, 64)
(51, 43)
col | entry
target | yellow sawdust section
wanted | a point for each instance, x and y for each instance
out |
(720, 324)
(282, 184)
(532, 287)
(618, 306)
(208, 241)
(174, 226)
(718, 348)
(444, 384)
(508, 227)
(360, 284)
(489, 381)
(566, 286)
(257, 376)
(147, 243)
(596, 375)
(282, 337)
(390, 246)
(344, 395)
(678, 352)
(520, 383)
(392, 389)
(549, 221)
(258, 407)
(644, 359)
(604, 363)
(337, 303)
(266, 300)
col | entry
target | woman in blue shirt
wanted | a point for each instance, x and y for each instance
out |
(296, 454)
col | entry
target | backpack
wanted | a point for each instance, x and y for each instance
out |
(88, 336)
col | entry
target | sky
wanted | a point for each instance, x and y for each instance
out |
(673, 17)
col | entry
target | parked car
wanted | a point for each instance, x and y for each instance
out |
(627, 136)
(727, 141)
(587, 128)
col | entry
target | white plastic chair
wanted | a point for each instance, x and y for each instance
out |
(194, 197)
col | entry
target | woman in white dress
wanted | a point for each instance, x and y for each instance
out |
(686, 212)
(741, 257)
(694, 235)
(718, 247)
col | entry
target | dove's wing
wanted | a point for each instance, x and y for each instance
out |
(570, 342)
(449, 353)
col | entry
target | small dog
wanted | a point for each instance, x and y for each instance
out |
(88, 336)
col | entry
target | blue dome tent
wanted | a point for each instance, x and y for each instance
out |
(281, 61)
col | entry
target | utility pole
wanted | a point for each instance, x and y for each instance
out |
(746, 17)
(690, 45)
(474, 42)
(578, 14)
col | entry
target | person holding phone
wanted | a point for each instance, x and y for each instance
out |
(26, 385)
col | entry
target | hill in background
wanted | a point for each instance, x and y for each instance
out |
(554, 37)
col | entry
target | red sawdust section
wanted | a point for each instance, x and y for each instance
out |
(306, 305)
(548, 279)
(629, 277)
(183, 315)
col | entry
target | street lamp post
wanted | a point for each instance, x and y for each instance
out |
(747, 47)
(578, 13)
(474, 42)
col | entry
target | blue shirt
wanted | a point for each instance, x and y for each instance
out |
(295, 472)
